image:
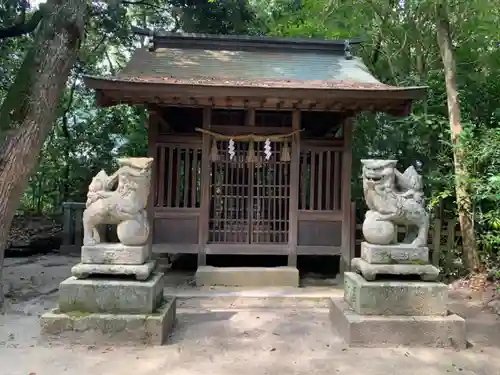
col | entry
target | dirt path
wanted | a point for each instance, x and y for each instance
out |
(221, 339)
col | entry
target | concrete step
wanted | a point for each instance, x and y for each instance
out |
(261, 298)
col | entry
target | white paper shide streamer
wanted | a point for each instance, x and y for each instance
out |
(231, 149)
(267, 149)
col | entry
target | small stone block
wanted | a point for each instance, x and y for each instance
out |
(397, 330)
(111, 329)
(140, 271)
(394, 254)
(111, 296)
(115, 253)
(247, 276)
(394, 297)
(426, 272)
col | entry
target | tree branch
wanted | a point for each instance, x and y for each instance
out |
(24, 28)
(141, 2)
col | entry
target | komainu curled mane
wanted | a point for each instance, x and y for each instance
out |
(394, 197)
(124, 206)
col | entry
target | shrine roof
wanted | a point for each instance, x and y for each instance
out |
(177, 59)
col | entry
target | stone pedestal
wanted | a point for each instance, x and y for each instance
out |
(102, 304)
(395, 312)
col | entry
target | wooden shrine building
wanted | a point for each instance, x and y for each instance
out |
(252, 140)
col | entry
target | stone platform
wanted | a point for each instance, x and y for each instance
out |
(115, 253)
(247, 276)
(111, 295)
(394, 254)
(426, 272)
(394, 297)
(111, 329)
(140, 271)
(396, 330)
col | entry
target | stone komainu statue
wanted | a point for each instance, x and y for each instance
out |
(120, 199)
(393, 198)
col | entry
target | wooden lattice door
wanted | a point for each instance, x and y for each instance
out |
(250, 200)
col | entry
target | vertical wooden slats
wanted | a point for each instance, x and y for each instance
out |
(303, 181)
(186, 170)
(274, 209)
(161, 178)
(255, 197)
(312, 182)
(321, 174)
(194, 179)
(225, 202)
(170, 176)
(328, 186)
(337, 181)
(320, 179)
(178, 189)
(179, 176)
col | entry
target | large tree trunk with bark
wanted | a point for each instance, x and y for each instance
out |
(29, 109)
(464, 199)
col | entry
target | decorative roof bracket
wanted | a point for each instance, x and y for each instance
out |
(347, 49)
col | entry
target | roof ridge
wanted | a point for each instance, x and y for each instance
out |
(192, 40)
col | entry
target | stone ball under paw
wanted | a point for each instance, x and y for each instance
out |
(378, 232)
(133, 232)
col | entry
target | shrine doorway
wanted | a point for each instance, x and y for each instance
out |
(250, 194)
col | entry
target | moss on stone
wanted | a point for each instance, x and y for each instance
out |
(419, 262)
(77, 314)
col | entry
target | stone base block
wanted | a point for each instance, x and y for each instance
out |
(247, 276)
(115, 253)
(426, 272)
(111, 296)
(141, 272)
(394, 254)
(386, 331)
(394, 297)
(110, 329)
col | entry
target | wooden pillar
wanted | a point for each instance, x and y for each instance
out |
(205, 189)
(153, 130)
(345, 261)
(294, 191)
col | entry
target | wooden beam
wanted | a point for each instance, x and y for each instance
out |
(294, 191)
(250, 117)
(153, 130)
(205, 189)
(345, 261)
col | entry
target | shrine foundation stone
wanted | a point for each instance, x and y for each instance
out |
(396, 330)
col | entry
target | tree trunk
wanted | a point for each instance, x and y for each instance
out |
(464, 199)
(29, 109)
